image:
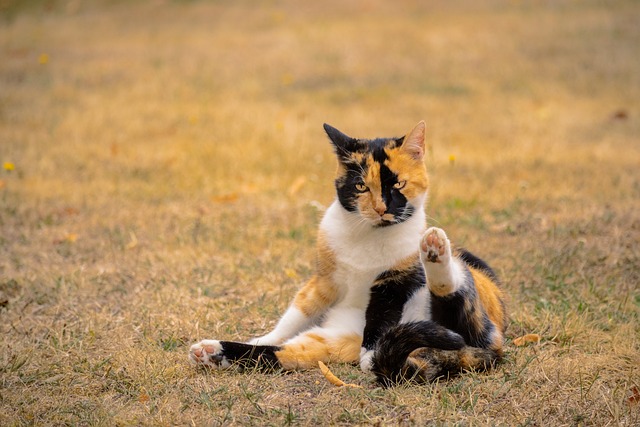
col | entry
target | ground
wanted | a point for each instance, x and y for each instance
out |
(164, 169)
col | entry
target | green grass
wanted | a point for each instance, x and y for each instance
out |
(169, 171)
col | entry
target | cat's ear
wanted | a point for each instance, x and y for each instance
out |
(413, 143)
(343, 144)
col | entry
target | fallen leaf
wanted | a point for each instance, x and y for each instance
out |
(143, 398)
(526, 339)
(225, 198)
(287, 79)
(635, 395)
(297, 185)
(620, 115)
(133, 242)
(69, 238)
(69, 211)
(291, 273)
(332, 378)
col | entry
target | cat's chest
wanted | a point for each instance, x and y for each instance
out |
(363, 253)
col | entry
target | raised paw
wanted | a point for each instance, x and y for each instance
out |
(435, 246)
(208, 353)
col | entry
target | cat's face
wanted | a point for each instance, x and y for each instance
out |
(383, 180)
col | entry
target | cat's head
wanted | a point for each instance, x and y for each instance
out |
(384, 180)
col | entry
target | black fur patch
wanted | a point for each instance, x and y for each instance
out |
(346, 190)
(477, 263)
(397, 343)
(250, 356)
(453, 313)
(390, 293)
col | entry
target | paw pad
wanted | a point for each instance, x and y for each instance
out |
(434, 245)
(208, 353)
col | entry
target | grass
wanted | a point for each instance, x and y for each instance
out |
(165, 170)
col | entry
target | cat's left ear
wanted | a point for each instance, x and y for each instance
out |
(413, 143)
(343, 144)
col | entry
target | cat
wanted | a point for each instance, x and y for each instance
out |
(387, 292)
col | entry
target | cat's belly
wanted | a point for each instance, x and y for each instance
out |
(354, 284)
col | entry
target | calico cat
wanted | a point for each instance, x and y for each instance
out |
(386, 292)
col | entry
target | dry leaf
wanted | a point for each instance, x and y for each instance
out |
(133, 242)
(635, 395)
(225, 198)
(297, 185)
(290, 273)
(620, 115)
(69, 238)
(526, 339)
(332, 378)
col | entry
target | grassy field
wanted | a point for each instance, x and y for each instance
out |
(164, 170)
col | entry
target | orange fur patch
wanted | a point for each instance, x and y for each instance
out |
(408, 169)
(405, 266)
(319, 293)
(312, 348)
(316, 296)
(408, 262)
(492, 300)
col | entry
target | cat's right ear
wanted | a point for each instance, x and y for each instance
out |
(344, 144)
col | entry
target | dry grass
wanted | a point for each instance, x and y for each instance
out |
(166, 156)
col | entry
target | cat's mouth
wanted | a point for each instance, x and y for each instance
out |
(386, 223)
(388, 219)
(385, 220)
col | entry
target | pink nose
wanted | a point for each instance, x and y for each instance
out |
(381, 209)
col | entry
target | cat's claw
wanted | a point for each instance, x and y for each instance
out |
(435, 246)
(208, 353)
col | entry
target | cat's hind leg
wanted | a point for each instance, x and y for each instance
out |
(338, 340)
(445, 273)
(301, 352)
(223, 354)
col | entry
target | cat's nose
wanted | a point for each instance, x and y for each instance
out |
(381, 209)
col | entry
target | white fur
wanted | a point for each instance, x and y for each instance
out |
(290, 324)
(418, 307)
(447, 274)
(363, 248)
(366, 359)
(199, 355)
(340, 321)
(362, 253)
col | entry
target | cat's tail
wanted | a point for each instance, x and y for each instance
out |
(424, 351)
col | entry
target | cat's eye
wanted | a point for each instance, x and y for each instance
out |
(399, 185)
(361, 187)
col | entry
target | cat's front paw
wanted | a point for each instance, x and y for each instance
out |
(208, 353)
(435, 246)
